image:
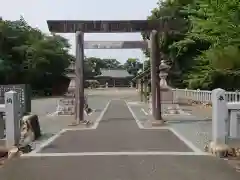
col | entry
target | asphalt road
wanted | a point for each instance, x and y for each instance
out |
(118, 132)
(119, 168)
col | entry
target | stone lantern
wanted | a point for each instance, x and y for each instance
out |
(131, 84)
(72, 75)
(164, 68)
(66, 105)
(166, 91)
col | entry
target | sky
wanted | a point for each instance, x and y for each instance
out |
(36, 12)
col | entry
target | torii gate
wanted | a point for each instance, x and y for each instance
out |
(114, 26)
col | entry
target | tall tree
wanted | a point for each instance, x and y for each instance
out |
(93, 65)
(205, 50)
(29, 56)
(167, 10)
(216, 22)
(132, 65)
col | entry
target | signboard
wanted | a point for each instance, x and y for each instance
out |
(23, 95)
(115, 45)
(111, 26)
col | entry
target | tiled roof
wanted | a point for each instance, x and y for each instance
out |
(118, 73)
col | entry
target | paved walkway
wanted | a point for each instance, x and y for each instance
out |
(117, 132)
(118, 150)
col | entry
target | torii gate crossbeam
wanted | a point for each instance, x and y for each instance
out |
(115, 44)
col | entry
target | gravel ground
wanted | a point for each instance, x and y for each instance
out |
(198, 130)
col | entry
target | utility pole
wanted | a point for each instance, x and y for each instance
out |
(79, 97)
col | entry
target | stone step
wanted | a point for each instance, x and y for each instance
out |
(66, 113)
(67, 101)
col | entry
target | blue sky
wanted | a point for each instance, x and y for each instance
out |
(36, 12)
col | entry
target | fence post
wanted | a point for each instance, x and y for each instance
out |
(234, 123)
(27, 98)
(12, 108)
(198, 95)
(1, 126)
(176, 95)
(219, 116)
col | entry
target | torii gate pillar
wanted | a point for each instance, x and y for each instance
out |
(79, 93)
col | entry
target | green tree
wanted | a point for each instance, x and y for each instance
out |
(132, 65)
(167, 10)
(29, 56)
(205, 50)
(218, 23)
(95, 64)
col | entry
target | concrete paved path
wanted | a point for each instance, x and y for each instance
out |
(117, 132)
(118, 150)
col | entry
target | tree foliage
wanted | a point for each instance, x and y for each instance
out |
(93, 65)
(133, 65)
(205, 52)
(29, 56)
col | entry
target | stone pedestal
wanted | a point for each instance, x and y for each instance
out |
(166, 96)
(158, 122)
(66, 106)
(131, 85)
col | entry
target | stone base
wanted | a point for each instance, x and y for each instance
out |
(219, 150)
(59, 113)
(158, 122)
(166, 96)
(172, 110)
(84, 122)
(74, 124)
